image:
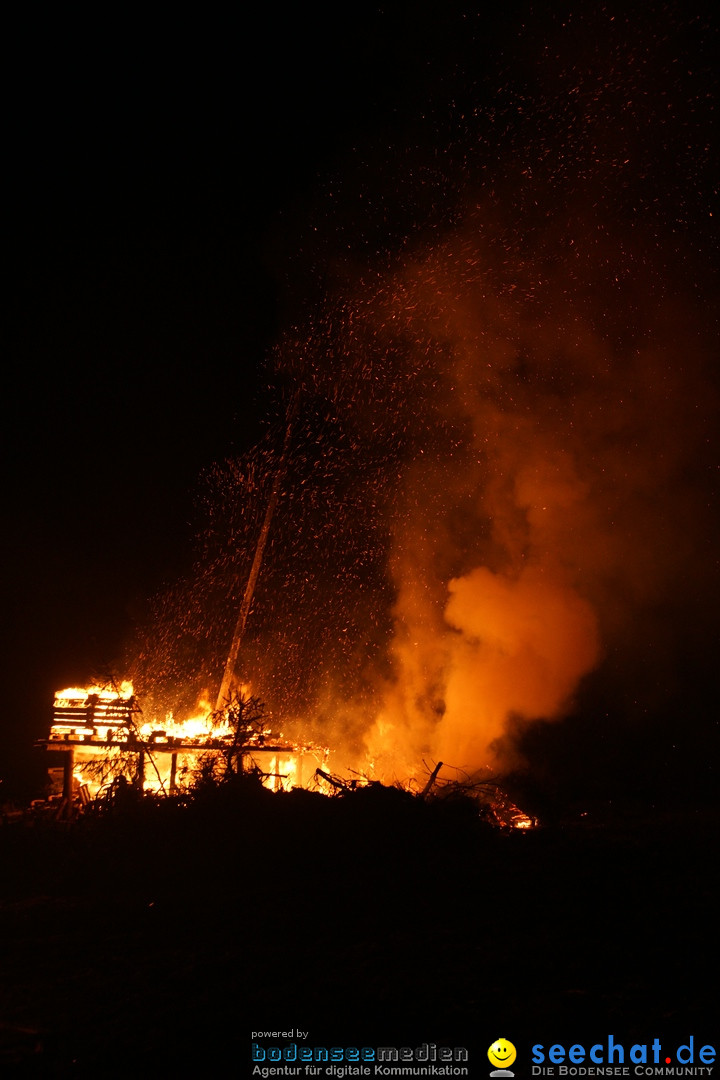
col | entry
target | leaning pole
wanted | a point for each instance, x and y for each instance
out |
(228, 679)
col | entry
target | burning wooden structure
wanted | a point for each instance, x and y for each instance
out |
(102, 735)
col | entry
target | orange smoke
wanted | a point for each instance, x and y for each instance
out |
(546, 506)
(523, 646)
(510, 646)
(486, 645)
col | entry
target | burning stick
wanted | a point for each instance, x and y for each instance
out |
(431, 781)
(229, 675)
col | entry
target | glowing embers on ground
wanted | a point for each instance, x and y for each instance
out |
(508, 815)
(105, 737)
(493, 803)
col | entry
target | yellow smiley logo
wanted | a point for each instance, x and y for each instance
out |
(502, 1053)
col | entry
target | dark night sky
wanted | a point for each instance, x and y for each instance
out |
(165, 182)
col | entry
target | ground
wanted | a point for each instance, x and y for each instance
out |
(161, 937)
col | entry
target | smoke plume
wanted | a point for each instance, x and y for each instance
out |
(500, 479)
